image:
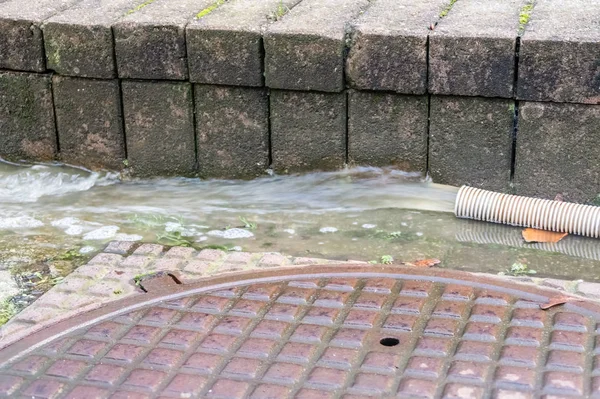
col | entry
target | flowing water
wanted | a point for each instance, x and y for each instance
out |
(54, 217)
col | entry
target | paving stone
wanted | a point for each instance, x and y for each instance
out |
(387, 129)
(21, 42)
(89, 122)
(151, 44)
(557, 149)
(79, 41)
(149, 249)
(308, 131)
(197, 267)
(136, 262)
(305, 50)
(180, 252)
(26, 117)
(110, 259)
(558, 58)
(225, 44)
(389, 46)
(273, 260)
(470, 141)
(232, 128)
(119, 247)
(589, 289)
(211, 255)
(472, 49)
(159, 128)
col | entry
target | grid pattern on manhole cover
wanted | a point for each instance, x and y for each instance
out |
(320, 338)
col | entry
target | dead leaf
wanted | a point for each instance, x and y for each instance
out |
(423, 262)
(535, 235)
(559, 198)
(558, 300)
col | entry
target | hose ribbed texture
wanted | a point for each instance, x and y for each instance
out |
(514, 210)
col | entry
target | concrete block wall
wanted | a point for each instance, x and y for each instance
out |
(499, 94)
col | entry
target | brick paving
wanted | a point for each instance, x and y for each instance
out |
(111, 276)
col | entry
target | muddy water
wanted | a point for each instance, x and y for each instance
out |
(55, 217)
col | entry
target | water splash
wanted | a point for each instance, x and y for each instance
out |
(29, 183)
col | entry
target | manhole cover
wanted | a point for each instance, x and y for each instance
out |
(318, 333)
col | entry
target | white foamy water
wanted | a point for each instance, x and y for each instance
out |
(20, 184)
(360, 214)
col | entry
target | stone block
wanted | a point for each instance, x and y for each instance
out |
(559, 59)
(558, 147)
(21, 41)
(89, 122)
(225, 45)
(27, 128)
(472, 49)
(159, 128)
(388, 129)
(389, 47)
(308, 131)
(305, 50)
(119, 247)
(150, 43)
(79, 41)
(470, 141)
(232, 128)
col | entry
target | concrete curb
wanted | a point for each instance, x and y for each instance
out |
(472, 50)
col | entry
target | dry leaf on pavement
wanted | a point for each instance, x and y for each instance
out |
(423, 262)
(558, 300)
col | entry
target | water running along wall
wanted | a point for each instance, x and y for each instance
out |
(497, 94)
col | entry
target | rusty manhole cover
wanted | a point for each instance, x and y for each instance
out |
(318, 333)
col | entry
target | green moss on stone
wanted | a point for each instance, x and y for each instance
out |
(446, 10)
(53, 53)
(525, 15)
(210, 8)
(278, 13)
(140, 6)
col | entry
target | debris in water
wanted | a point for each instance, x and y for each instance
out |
(20, 222)
(328, 229)
(231, 234)
(102, 233)
(87, 249)
(369, 226)
(535, 235)
(290, 231)
(74, 230)
(128, 237)
(65, 222)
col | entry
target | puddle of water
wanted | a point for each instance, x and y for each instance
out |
(359, 214)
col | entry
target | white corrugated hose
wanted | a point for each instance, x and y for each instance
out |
(514, 210)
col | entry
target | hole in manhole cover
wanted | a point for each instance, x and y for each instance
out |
(389, 341)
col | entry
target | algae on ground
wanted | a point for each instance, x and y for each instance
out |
(140, 6)
(525, 15)
(210, 8)
(447, 9)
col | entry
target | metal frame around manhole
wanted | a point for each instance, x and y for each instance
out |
(441, 278)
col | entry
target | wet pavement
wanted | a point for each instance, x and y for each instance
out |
(338, 330)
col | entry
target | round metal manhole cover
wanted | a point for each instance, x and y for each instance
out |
(318, 333)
